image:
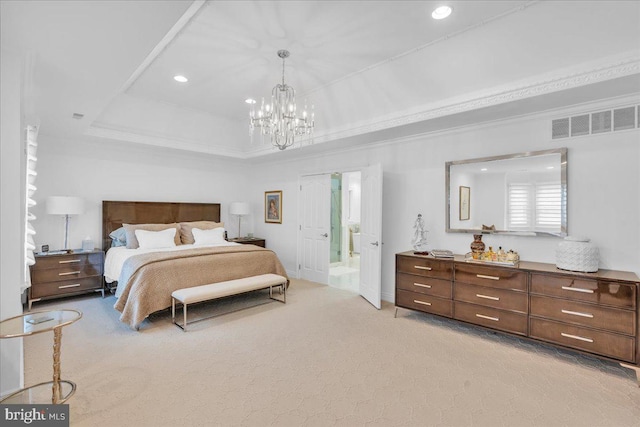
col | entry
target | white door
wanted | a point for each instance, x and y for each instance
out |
(371, 234)
(315, 210)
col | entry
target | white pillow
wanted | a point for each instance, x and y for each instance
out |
(156, 239)
(208, 237)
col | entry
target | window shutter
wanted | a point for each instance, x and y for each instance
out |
(29, 244)
(548, 206)
(534, 206)
(519, 206)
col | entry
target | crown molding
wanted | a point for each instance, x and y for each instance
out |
(622, 66)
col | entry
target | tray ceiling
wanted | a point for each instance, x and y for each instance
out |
(366, 66)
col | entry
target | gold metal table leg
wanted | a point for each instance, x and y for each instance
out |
(56, 387)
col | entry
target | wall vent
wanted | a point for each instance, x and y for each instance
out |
(598, 122)
(560, 128)
(601, 122)
(580, 125)
(624, 118)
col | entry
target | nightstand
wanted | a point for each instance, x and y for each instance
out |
(250, 241)
(59, 275)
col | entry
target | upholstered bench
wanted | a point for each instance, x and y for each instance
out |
(224, 289)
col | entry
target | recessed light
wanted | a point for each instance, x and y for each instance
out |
(441, 12)
(483, 169)
(181, 79)
(250, 101)
(549, 167)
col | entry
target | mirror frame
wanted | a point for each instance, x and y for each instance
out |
(563, 182)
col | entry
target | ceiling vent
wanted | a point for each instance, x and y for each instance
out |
(595, 123)
(77, 116)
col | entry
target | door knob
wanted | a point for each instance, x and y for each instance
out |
(325, 235)
(375, 243)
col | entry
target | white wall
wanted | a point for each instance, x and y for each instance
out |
(603, 182)
(602, 171)
(98, 170)
(11, 214)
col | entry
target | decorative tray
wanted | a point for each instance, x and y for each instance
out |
(468, 257)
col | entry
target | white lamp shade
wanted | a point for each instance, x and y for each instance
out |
(239, 208)
(64, 205)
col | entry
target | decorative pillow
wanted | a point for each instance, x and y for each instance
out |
(186, 236)
(118, 237)
(156, 239)
(132, 241)
(208, 237)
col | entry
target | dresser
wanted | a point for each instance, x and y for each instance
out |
(59, 275)
(595, 313)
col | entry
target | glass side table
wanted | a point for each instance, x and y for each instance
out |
(32, 323)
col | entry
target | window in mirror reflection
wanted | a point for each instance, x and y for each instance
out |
(522, 193)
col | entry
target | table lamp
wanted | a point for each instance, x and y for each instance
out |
(66, 206)
(240, 209)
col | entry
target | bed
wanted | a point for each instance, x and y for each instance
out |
(146, 277)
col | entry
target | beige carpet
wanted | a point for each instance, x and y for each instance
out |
(325, 358)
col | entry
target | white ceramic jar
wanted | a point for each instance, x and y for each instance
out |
(577, 254)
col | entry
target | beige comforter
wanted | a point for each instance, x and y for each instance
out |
(149, 279)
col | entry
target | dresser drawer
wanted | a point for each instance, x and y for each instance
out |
(424, 285)
(491, 317)
(582, 314)
(491, 297)
(439, 269)
(589, 290)
(65, 287)
(426, 303)
(607, 344)
(65, 272)
(505, 278)
(70, 260)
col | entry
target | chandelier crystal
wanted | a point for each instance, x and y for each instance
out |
(280, 119)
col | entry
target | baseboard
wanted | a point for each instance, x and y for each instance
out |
(389, 297)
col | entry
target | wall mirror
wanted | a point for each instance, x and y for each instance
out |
(522, 194)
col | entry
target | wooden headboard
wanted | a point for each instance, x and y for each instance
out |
(116, 213)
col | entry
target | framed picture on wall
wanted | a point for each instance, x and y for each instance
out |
(465, 200)
(273, 207)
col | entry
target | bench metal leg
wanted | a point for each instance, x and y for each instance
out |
(283, 291)
(173, 315)
(184, 312)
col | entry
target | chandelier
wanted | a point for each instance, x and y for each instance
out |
(280, 119)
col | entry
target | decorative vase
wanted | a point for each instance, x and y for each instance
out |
(577, 254)
(477, 246)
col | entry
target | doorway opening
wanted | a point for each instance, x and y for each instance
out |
(344, 266)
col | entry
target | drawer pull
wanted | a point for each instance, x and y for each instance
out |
(69, 286)
(586, 291)
(577, 313)
(488, 297)
(421, 302)
(576, 337)
(69, 261)
(482, 316)
(423, 286)
(482, 276)
(69, 273)
(419, 267)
